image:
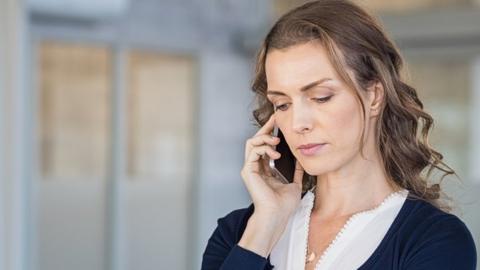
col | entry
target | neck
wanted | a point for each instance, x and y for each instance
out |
(359, 186)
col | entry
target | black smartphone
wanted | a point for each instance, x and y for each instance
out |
(284, 167)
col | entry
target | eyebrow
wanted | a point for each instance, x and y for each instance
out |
(302, 89)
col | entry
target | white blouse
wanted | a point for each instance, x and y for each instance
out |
(365, 229)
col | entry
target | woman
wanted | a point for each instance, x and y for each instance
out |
(329, 78)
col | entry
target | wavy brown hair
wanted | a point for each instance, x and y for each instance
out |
(355, 41)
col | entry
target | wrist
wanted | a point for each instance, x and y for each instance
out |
(262, 233)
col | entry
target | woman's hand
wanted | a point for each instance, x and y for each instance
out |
(270, 196)
(274, 201)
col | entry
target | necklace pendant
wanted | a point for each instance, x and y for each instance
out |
(311, 257)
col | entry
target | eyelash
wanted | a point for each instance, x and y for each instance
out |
(319, 100)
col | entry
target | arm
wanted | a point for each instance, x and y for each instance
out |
(223, 251)
(274, 202)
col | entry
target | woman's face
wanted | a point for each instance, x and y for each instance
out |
(314, 107)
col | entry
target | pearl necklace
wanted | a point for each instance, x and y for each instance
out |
(312, 255)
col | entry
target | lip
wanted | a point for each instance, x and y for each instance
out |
(311, 148)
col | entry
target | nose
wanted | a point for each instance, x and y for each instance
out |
(301, 119)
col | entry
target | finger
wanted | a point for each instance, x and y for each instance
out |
(267, 127)
(260, 140)
(266, 167)
(298, 175)
(263, 139)
(257, 153)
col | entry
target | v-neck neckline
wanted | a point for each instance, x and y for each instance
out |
(407, 204)
(377, 252)
(351, 220)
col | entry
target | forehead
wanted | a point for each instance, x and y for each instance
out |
(296, 65)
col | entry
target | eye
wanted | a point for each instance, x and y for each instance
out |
(281, 107)
(322, 100)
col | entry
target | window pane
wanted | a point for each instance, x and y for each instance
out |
(444, 85)
(160, 133)
(74, 110)
(160, 115)
(74, 116)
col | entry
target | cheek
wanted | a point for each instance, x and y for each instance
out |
(281, 121)
(283, 124)
(345, 125)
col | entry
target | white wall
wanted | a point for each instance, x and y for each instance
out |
(3, 26)
(13, 175)
(475, 127)
(224, 128)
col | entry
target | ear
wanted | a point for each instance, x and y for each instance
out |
(376, 94)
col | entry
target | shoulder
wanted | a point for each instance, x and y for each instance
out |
(427, 221)
(436, 239)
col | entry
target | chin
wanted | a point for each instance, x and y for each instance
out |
(315, 166)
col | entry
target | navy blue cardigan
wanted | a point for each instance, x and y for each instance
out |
(420, 237)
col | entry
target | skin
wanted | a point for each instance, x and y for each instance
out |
(346, 182)
(325, 113)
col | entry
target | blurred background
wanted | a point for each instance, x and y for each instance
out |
(123, 122)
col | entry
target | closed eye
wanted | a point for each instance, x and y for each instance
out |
(322, 100)
(283, 107)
